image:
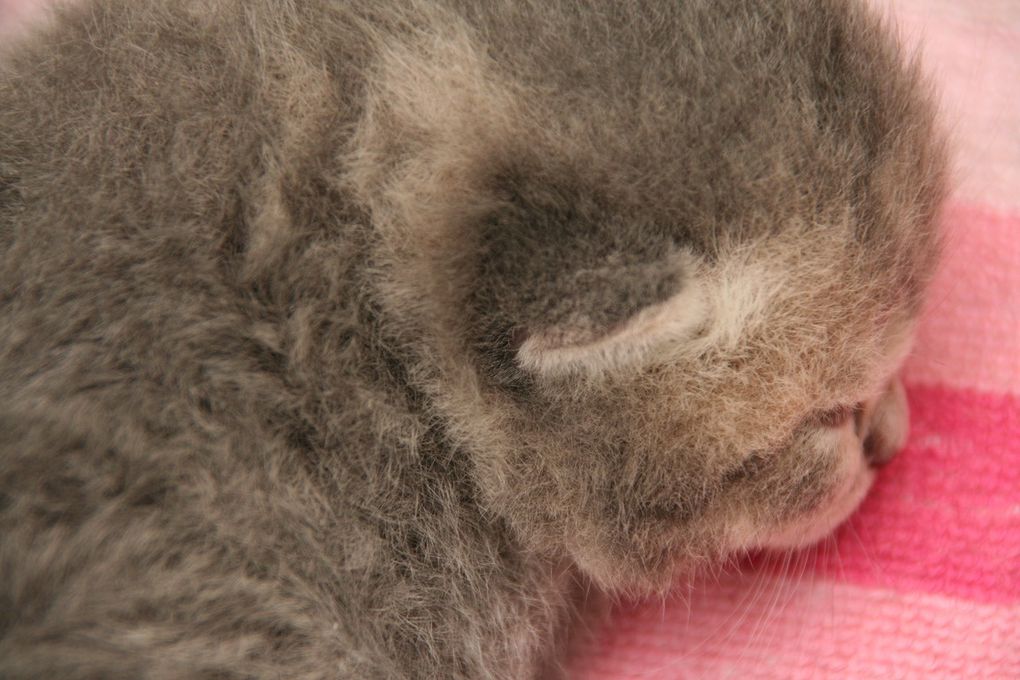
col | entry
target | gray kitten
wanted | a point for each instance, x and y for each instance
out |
(355, 338)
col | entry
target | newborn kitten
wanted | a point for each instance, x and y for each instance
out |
(353, 339)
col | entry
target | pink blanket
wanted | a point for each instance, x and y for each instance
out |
(924, 582)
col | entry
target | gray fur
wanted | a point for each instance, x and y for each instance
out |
(266, 268)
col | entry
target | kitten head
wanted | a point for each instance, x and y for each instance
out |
(662, 314)
(647, 403)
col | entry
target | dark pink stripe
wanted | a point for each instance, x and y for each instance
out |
(944, 517)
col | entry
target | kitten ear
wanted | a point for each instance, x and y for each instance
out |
(576, 345)
(570, 281)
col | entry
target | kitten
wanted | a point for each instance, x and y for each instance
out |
(353, 339)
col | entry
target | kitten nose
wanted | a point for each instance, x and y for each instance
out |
(877, 451)
(884, 425)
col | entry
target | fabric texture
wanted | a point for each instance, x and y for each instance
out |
(924, 581)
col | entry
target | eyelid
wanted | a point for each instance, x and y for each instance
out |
(836, 416)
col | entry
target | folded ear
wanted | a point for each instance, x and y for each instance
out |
(565, 287)
(583, 348)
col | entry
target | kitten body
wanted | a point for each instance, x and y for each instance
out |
(351, 339)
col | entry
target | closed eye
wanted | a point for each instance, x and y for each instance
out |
(837, 416)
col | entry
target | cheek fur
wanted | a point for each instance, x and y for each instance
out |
(848, 483)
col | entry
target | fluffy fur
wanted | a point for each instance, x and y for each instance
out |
(352, 339)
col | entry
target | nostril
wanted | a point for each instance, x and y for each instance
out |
(877, 450)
